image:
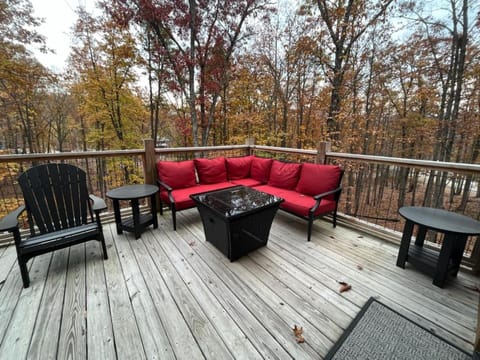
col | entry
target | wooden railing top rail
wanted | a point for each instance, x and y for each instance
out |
(69, 155)
(199, 149)
(439, 165)
(285, 150)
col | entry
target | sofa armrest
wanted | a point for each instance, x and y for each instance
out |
(320, 196)
(169, 190)
(10, 221)
(162, 184)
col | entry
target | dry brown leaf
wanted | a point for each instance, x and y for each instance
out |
(298, 331)
(359, 267)
(300, 339)
(344, 286)
(191, 243)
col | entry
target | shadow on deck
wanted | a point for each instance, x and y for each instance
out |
(172, 295)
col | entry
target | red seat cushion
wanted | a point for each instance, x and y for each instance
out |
(318, 178)
(177, 174)
(247, 182)
(297, 203)
(270, 190)
(238, 167)
(211, 171)
(300, 204)
(284, 175)
(260, 169)
(182, 199)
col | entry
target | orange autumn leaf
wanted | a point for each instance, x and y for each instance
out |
(298, 331)
(344, 286)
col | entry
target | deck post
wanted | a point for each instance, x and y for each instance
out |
(250, 142)
(149, 162)
(322, 149)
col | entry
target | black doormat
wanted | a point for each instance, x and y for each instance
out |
(379, 332)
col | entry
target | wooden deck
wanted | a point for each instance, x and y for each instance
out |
(171, 295)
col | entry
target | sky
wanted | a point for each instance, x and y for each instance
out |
(59, 17)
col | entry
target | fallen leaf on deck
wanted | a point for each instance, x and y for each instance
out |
(344, 286)
(298, 331)
(359, 267)
(191, 243)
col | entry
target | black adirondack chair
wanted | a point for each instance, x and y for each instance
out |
(60, 213)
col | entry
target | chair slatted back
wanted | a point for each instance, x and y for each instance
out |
(56, 197)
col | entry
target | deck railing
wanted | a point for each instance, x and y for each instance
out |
(374, 186)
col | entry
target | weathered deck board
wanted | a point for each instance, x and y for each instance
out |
(72, 342)
(173, 295)
(152, 333)
(46, 332)
(128, 343)
(19, 333)
(8, 259)
(100, 338)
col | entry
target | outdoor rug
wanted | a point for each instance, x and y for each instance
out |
(380, 333)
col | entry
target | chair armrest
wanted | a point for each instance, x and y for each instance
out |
(320, 196)
(98, 203)
(167, 187)
(10, 221)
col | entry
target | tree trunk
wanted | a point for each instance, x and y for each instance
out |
(191, 73)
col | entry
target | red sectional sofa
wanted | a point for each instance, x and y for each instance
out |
(309, 190)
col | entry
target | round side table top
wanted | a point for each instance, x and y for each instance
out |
(441, 220)
(129, 192)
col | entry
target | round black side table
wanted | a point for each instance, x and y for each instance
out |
(138, 222)
(456, 228)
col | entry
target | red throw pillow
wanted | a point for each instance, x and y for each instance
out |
(177, 174)
(211, 171)
(260, 169)
(284, 175)
(238, 167)
(318, 178)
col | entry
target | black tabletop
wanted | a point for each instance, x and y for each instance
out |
(130, 192)
(236, 201)
(441, 220)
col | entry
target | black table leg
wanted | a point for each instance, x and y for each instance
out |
(136, 218)
(153, 208)
(441, 272)
(405, 244)
(118, 218)
(420, 239)
(457, 253)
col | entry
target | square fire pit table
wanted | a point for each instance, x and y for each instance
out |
(237, 220)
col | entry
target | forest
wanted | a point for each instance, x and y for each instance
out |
(382, 77)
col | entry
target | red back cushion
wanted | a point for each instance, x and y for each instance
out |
(177, 174)
(318, 178)
(211, 171)
(260, 169)
(284, 175)
(238, 167)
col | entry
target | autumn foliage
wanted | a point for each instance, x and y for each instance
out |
(374, 77)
